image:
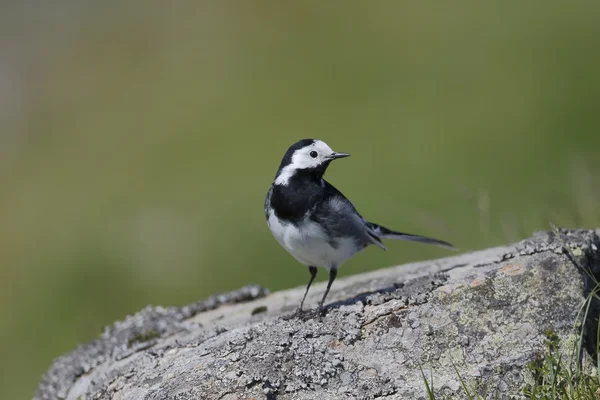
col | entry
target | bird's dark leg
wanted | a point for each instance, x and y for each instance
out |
(313, 274)
(332, 275)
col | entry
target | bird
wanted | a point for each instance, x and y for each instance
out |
(314, 221)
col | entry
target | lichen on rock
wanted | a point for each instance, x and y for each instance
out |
(483, 315)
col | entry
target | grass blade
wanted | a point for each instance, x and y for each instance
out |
(462, 382)
(430, 394)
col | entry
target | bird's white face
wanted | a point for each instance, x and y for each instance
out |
(312, 156)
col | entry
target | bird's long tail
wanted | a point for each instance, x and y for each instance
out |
(385, 233)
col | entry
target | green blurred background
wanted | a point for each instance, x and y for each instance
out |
(137, 143)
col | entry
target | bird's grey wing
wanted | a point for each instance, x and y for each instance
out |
(339, 218)
(267, 202)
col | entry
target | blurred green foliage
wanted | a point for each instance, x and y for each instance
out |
(133, 170)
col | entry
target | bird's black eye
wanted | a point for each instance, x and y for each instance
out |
(314, 154)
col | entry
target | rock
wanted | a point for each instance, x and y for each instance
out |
(483, 314)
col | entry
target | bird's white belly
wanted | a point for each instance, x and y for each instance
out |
(309, 244)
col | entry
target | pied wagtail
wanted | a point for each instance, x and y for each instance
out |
(314, 221)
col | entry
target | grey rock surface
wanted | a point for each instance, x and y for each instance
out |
(483, 313)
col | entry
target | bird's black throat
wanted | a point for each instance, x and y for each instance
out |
(291, 202)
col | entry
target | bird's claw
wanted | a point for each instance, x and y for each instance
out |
(317, 313)
(306, 315)
(296, 314)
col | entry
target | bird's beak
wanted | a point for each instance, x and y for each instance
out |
(334, 155)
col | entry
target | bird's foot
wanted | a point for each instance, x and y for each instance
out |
(316, 314)
(305, 315)
(296, 314)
